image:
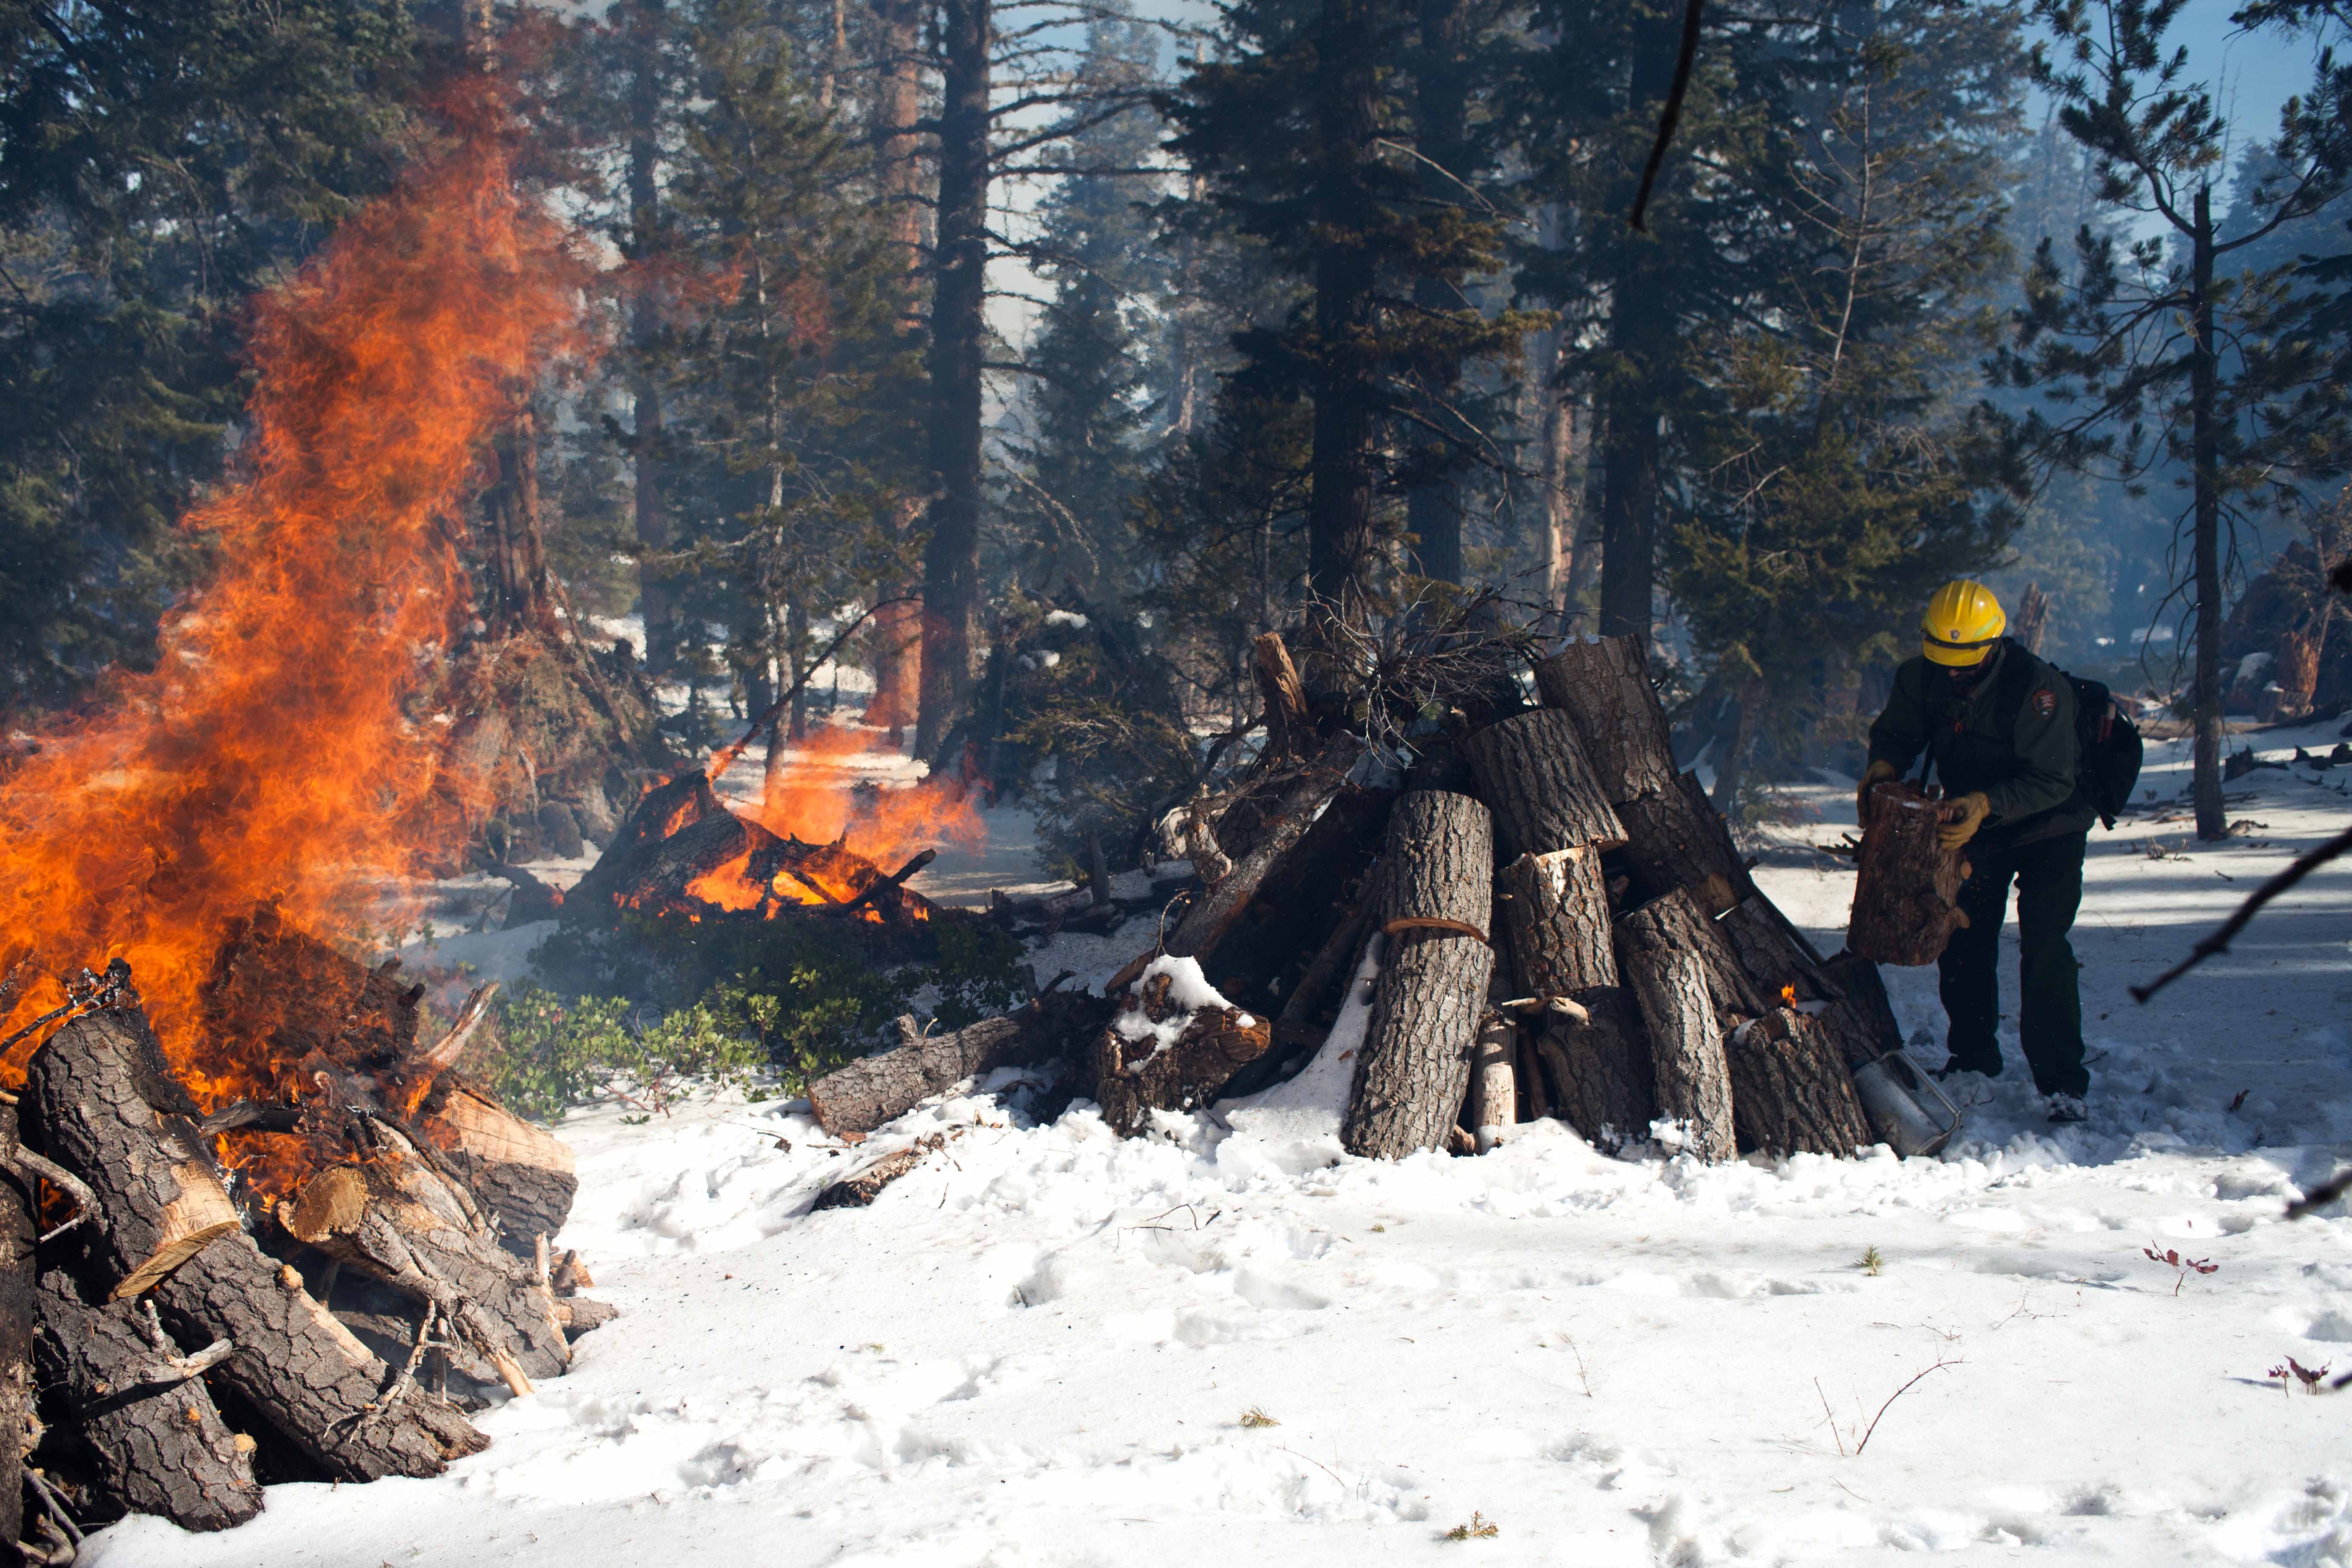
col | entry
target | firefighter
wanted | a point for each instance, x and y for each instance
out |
(1998, 726)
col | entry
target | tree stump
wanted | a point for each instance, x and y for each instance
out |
(1693, 1078)
(1598, 1058)
(1436, 898)
(1532, 775)
(1554, 913)
(1171, 1047)
(1906, 897)
(1603, 685)
(1790, 1092)
(1676, 838)
(134, 1414)
(106, 1108)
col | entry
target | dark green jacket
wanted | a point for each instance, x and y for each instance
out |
(2022, 759)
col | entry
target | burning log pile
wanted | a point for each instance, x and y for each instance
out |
(315, 1279)
(1568, 928)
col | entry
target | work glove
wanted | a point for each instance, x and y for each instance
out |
(1878, 772)
(1962, 817)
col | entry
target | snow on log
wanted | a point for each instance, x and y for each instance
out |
(1693, 1081)
(873, 1089)
(130, 1418)
(1533, 776)
(103, 1105)
(1604, 1085)
(860, 1189)
(1554, 911)
(1436, 891)
(1905, 894)
(1171, 1046)
(1603, 684)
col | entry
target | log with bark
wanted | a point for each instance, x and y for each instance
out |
(1907, 889)
(523, 1176)
(1168, 1048)
(1603, 684)
(1533, 776)
(130, 1416)
(1057, 1027)
(19, 1312)
(1554, 911)
(1676, 838)
(1285, 822)
(1692, 1076)
(1597, 1053)
(1790, 1092)
(102, 1103)
(1437, 898)
(1861, 1022)
(860, 1190)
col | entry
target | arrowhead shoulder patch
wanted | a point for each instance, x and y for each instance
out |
(2045, 702)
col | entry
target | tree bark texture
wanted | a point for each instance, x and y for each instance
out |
(1305, 899)
(874, 1090)
(1678, 839)
(959, 330)
(1598, 1053)
(107, 1110)
(20, 1211)
(1906, 889)
(1692, 1076)
(144, 1431)
(1678, 922)
(1554, 911)
(1137, 1071)
(1790, 1092)
(1603, 684)
(1289, 728)
(1861, 1021)
(1533, 774)
(1415, 1065)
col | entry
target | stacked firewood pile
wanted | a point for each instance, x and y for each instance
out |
(1569, 933)
(315, 1280)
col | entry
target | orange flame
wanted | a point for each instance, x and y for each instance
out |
(1789, 996)
(816, 797)
(267, 756)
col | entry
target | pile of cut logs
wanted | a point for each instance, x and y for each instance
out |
(1569, 933)
(317, 1284)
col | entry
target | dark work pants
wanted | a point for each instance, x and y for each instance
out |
(2049, 877)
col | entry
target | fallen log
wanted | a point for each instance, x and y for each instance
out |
(860, 1190)
(1533, 776)
(1604, 1083)
(133, 1415)
(1554, 911)
(866, 1093)
(1790, 1092)
(1436, 898)
(1603, 684)
(103, 1104)
(1694, 1080)
(1174, 1043)
(1907, 887)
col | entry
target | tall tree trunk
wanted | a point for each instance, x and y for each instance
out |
(1342, 466)
(1641, 334)
(1555, 426)
(2205, 439)
(1433, 507)
(897, 105)
(522, 600)
(1737, 747)
(951, 558)
(656, 604)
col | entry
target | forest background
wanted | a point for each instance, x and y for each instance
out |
(1073, 348)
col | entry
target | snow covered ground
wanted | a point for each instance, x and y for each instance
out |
(1047, 1346)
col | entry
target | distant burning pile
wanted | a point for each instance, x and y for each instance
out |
(266, 757)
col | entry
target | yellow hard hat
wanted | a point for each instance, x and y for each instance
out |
(1962, 621)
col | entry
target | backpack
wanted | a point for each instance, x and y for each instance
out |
(2106, 742)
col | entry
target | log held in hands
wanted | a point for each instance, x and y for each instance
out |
(1904, 896)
